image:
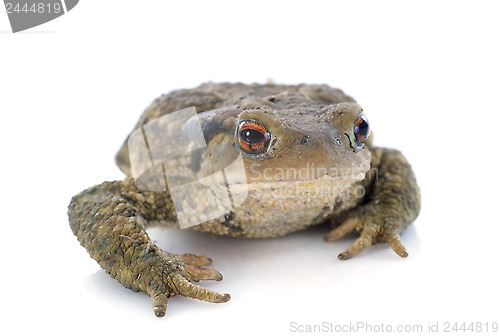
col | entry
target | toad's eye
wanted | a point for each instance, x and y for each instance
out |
(361, 130)
(252, 137)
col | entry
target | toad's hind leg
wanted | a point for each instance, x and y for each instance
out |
(392, 204)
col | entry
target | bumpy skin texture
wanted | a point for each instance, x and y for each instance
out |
(110, 219)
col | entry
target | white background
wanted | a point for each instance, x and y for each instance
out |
(426, 73)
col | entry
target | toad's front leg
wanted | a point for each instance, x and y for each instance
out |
(109, 219)
(391, 205)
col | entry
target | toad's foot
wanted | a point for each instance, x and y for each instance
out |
(375, 224)
(392, 204)
(174, 274)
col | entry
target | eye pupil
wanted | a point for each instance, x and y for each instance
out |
(361, 130)
(253, 137)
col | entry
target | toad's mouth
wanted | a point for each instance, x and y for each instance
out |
(333, 184)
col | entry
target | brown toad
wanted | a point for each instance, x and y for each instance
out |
(306, 157)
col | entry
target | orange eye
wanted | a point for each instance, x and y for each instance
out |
(361, 130)
(252, 137)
